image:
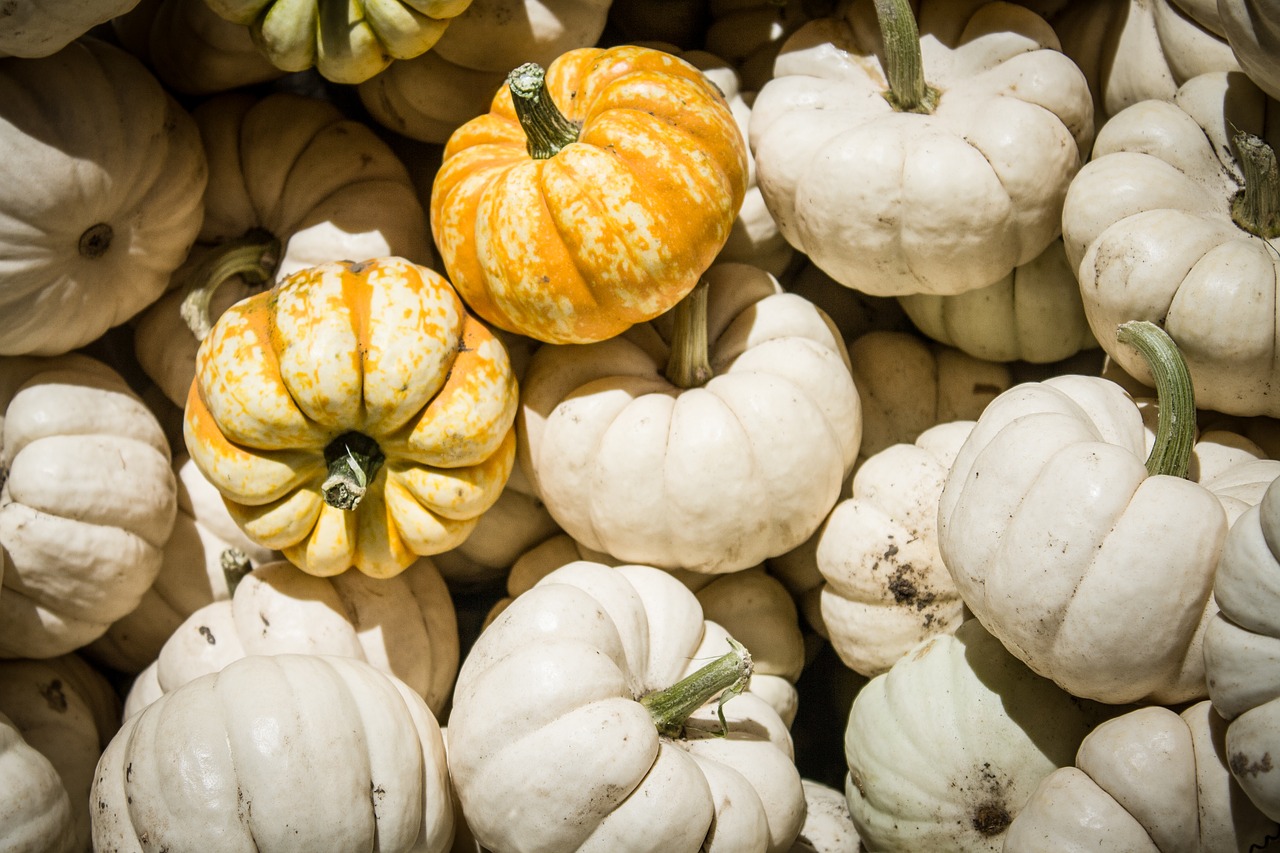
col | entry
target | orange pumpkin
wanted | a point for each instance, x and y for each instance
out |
(354, 415)
(571, 226)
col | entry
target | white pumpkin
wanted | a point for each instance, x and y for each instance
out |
(941, 198)
(712, 477)
(828, 826)
(36, 811)
(278, 753)
(749, 33)
(101, 199)
(572, 729)
(35, 28)
(88, 503)
(1152, 230)
(405, 626)
(1253, 31)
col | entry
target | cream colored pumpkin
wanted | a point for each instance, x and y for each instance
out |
(278, 753)
(552, 748)
(941, 200)
(36, 811)
(1034, 314)
(749, 33)
(205, 556)
(1149, 227)
(828, 827)
(945, 748)
(286, 169)
(405, 626)
(886, 586)
(1149, 781)
(88, 503)
(713, 478)
(1253, 31)
(68, 712)
(36, 28)
(101, 199)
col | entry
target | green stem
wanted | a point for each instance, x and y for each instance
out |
(254, 257)
(1176, 426)
(353, 459)
(689, 365)
(726, 677)
(545, 127)
(903, 64)
(1256, 208)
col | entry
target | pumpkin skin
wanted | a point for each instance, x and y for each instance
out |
(550, 749)
(614, 228)
(381, 349)
(36, 811)
(98, 211)
(278, 753)
(1253, 31)
(347, 42)
(35, 28)
(88, 503)
(631, 464)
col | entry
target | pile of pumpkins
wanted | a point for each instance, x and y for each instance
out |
(744, 426)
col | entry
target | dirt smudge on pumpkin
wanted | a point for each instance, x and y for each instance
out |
(53, 695)
(1242, 766)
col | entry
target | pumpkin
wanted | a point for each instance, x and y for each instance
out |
(354, 415)
(35, 28)
(591, 196)
(68, 712)
(190, 48)
(345, 42)
(89, 502)
(886, 587)
(1086, 547)
(1253, 31)
(102, 195)
(204, 558)
(710, 441)
(1154, 230)
(575, 725)
(1240, 651)
(292, 183)
(749, 33)
(36, 812)
(277, 753)
(1034, 314)
(855, 313)
(405, 626)
(895, 183)
(945, 748)
(1148, 781)
(828, 827)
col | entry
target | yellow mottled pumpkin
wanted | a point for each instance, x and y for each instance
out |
(591, 196)
(354, 415)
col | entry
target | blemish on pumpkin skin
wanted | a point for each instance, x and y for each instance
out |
(1241, 765)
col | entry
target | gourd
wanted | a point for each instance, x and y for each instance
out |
(35, 28)
(1253, 31)
(945, 748)
(98, 210)
(205, 556)
(89, 502)
(405, 626)
(293, 183)
(66, 711)
(1034, 314)
(276, 753)
(345, 42)
(886, 586)
(591, 196)
(1147, 781)
(828, 827)
(1087, 547)
(708, 441)
(1173, 221)
(1240, 655)
(354, 415)
(432, 95)
(574, 725)
(749, 33)
(190, 48)
(37, 813)
(898, 180)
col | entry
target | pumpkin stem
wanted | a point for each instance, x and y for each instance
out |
(353, 459)
(545, 127)
(1256, 208)
(903, 64)
(689, 365)
(726, 677)
(1176, 425)
(235, 565)
(254, 257)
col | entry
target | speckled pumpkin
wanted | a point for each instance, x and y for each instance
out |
(594, 198)
(354, 415)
